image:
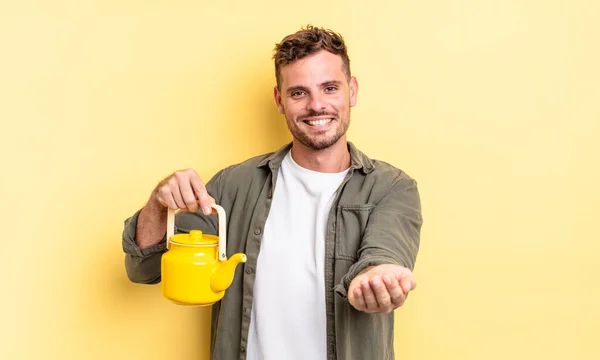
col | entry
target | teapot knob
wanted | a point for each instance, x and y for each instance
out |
(196, 236)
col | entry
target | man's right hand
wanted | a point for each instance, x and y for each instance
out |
(182, 190)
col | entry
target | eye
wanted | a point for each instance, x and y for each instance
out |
(330, 89)
(297, 93)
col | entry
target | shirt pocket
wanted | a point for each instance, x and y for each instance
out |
(351, 223)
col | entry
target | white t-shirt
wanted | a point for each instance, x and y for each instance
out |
(288, 313)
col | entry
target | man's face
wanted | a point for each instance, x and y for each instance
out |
(316, 97)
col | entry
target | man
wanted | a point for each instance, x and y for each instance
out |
(330, 235)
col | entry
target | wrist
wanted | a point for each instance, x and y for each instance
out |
(151, 224)
(366, 269)
(155, 207)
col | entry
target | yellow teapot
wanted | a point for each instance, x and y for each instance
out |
(195, 270)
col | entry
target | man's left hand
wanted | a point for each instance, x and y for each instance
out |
(381, 289)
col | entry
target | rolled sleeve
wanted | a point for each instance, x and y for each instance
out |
(142, 265)
(129, 245)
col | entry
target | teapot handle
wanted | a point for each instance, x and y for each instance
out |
(222, 229)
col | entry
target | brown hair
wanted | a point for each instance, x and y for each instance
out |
(308, 41)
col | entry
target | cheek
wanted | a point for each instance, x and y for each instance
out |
(340, 103)
(340, 99)
(293, 108)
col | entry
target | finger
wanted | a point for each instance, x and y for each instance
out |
(358, 299)
(187, 194)
(381, 294)
(176, 193)
(395, 291)
(354, 292)
(407, 284)
(165, 197)
(201, 194)
(212, 201)
(371, 304)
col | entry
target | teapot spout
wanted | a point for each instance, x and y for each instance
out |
(223, 277)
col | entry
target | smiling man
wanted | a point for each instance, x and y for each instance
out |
(331, 236)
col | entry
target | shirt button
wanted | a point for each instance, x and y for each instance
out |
(248, 270)
(243, 349)
(257, 231)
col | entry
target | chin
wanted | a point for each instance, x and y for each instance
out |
(319, 144)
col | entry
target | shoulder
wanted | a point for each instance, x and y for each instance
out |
(380, 172)
(392, 186)
(240, 178)
(383, 170)
(258, 165)
(249, 167)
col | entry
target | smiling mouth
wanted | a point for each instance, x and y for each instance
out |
(318, 122)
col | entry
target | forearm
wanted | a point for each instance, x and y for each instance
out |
(151, 224)
(142, 264)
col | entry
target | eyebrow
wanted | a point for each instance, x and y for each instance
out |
(323, 84)
(331, 83)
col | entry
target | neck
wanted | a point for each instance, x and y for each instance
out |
(333, 159)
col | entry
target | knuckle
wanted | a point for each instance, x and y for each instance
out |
(179, 175)
(191, 173)
(164, 190)
(172, 181)
(162, 201)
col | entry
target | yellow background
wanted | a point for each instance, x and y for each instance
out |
(493, 106)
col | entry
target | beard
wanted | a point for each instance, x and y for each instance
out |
(320, 140)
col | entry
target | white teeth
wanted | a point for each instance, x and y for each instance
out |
(318, 122)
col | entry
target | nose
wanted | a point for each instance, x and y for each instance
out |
(317, 102)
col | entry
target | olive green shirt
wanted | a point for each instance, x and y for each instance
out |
(375, 219)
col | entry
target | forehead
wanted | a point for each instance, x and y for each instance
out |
(313, 70)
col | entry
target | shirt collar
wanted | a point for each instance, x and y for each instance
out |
(358, 160)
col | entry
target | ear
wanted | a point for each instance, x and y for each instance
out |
(353, 91)
(277, 97)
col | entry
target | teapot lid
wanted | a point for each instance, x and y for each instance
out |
(195, 237)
